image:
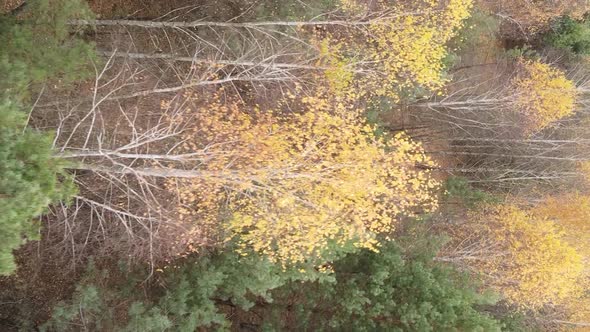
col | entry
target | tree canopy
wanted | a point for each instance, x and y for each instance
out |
(35, 49)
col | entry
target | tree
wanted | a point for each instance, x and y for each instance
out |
(538, 93)
(571, 211)
(365, 291)
(30, 180)
(33, 51)
(492, 129)
(284, 183)
(382, 50)
(211, 206)
(194, 295)
(544, 95)
(523, 256)
(41, 46)
(291, 182)
(570, 35)
(386, 291)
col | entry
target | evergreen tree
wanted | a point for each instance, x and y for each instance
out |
(570, 35)
(367, 291)
(39, 45)
(29, 181)
(190, 301)
(35, 48)
(389, 292)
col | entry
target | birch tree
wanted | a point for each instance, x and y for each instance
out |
(267, 177)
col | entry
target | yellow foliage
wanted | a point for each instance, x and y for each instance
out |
(572, 212)
(340, 73)
(533, 264)
(404, 51)
(544, 94)
(411, 48)
(578, 310)
(290, 182)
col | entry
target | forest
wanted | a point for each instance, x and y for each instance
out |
(294, 165)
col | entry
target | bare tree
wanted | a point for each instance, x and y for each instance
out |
(478, 126)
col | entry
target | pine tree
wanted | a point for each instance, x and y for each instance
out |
(387, 291)
(34, 50)
(40, 46)
(29, 181)
(364, 291)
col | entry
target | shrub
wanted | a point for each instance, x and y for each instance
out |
(458, 188)
(570, 35)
